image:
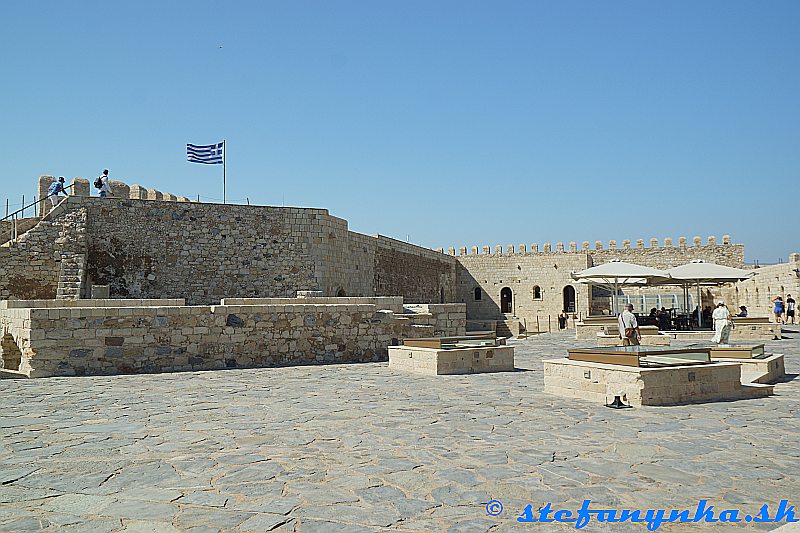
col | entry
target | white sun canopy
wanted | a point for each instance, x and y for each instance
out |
(698, 272)
(616, 274)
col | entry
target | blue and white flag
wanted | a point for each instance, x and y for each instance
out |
(209, 154)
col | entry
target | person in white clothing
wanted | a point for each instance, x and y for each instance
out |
(102, 183)
(722, 323)
(628, 327)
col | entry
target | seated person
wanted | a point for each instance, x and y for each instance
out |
(742, 311)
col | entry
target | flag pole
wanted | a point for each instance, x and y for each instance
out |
(224, 177)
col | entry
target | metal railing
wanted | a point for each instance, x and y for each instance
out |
(19, 213)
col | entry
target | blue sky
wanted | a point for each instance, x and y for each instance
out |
(455, 123)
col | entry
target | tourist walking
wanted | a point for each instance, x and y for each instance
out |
(102, 183)
(628, 327)
(790, 308)
(722, 323)
(778, 309)
(55, 189)
(562, 320)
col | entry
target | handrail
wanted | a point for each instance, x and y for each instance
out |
(24, 207)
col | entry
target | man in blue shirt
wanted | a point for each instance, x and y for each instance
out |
(56, 188)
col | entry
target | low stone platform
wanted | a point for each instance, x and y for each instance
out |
(598, 382)
(435, 362)
(767, 370)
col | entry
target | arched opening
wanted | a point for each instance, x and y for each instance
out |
(341, 293)
(506, 303)
(537, 292)
(478, 294)
(9, 353)
(569, 299)
(441, 295)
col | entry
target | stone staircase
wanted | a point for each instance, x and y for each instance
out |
(71, 277)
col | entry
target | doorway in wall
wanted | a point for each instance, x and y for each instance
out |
(506, 304)
(569, 299)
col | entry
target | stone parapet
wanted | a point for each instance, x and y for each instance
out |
(117, 340)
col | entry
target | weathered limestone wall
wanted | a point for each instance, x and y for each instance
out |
(447, 320)
(420, 275)
(200, 252)
(31, 266)
(23, 225)
(769, 281)
(102, 340)
(15, 336)
(382, 303)
(522, 274)
(523, 270)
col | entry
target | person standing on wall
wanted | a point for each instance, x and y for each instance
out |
(722, 323)
(628, 327)
(790, 308)
(102, 183)
(55, 189)
(778, 309)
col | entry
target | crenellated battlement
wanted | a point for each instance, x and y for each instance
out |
(119, 189)
(585, 246)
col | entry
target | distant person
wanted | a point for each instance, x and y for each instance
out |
(628, 327)
(778, 309)
(562, 320)
(707, 315)
(722, 323)
(664, 319)
(742, 311)
(102, 183)
(55, 189)
(790, 308)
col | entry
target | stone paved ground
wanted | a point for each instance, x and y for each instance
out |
(357, 448)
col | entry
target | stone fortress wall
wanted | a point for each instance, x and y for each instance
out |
(540, 280)
(147, 244)
(152, 248)
(56, 338)
(769, 281)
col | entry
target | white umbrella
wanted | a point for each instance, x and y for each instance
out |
(701, 273)
(616, 274)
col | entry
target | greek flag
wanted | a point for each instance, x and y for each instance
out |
(209, 154)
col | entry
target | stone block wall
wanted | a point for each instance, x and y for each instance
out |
(420, 275)
(102, 340)
(768, 282)
(206, 252)
(23, 225)
(30, 267)
(382, 303)
(200, 252)
(537, 283)
(537, 279)
(447, 320)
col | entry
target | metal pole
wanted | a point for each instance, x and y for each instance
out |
(224, 176)
(699, 307)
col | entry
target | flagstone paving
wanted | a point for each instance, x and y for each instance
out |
(359, 448)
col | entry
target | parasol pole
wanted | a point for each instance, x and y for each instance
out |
(699, 307)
